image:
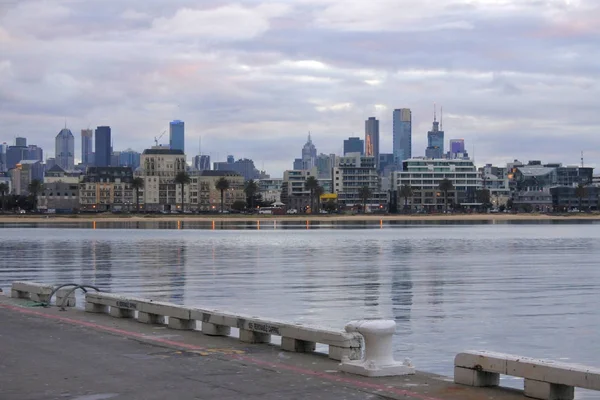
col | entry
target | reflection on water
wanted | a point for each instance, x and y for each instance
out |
(287, 224)
(518, 289)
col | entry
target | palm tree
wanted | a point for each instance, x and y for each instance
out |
(3, 191)
(251, 188)
(137, 184)
(35, 186)
(222, 185)
(580, 192)
(406, 192)
(318, 192)
(311, 184)
(446, 186)
(364, 193)
(182, 178)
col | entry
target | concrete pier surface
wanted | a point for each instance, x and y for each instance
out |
(49, 354)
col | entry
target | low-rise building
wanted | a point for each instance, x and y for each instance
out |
(539, 200)
(107, 189)
(270, 189)
(353, 172)
(565, 198)
(59, 197)
(209, 197)
(424, 176)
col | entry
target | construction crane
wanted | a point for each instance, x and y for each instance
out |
(156, 139)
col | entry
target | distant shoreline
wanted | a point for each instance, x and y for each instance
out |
(16, 219)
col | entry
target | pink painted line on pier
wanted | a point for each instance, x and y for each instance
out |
(248, 359)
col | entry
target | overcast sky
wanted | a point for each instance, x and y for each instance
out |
(517, 78)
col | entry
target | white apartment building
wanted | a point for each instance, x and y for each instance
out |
(424, 175)
(352, 172)
(270, 189)
(158, 168)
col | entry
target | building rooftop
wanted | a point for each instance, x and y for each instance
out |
(533, 170)
(219, 173)
(163, 152)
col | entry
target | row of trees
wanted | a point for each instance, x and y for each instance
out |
(21, 202)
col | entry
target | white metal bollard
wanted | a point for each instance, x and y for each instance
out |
(378, 359)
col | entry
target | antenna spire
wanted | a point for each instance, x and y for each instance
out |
(434, 110)
(581, 158)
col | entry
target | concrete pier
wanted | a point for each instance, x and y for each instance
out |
(47, 353)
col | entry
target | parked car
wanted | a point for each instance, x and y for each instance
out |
(292, 211)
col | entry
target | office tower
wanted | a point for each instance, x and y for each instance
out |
(325, 164)
(64, 150)
(309, 154)
(354, 145)
(21, 142)
(202, 162)
(457, 146)
(103, 146)
(435, 140)
(230, 159)
(34, 153)
(372, 139)
(14, 155)
(87, 149)
(177, 135)
(402, 135)
(3, 148)
(129, 158)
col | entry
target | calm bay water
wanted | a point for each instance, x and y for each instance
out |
(531, 290)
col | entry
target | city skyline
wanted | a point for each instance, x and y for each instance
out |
(138, 65)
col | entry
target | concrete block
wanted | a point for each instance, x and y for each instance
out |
(548, 391)
(215, 330)
(298, 346)
(254, 337)
(120, 312)
(60, 295)
(339, 353)
(17, 294)
(153, 319)
(39, 297)
(182, 324)
(165, 309)
(96, 308)
(471, 377)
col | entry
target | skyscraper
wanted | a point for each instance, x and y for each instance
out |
(354, 145)
(3, 148)
(457, 146)
(177, 135)
(309, 154)
(372, 139)
(34, 153)
(21, 142)
(64, 149)
(435, 140)
(202, 162)
(402, 135)
(103, 146)
(129, 158)
(87, 150)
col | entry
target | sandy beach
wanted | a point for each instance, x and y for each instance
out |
(15, 219)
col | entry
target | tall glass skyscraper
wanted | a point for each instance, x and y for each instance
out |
(402, 135)
(103, 146)
(64, 149)
(435, 141)
(177, 135)
(372, 139)
(87, 150)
